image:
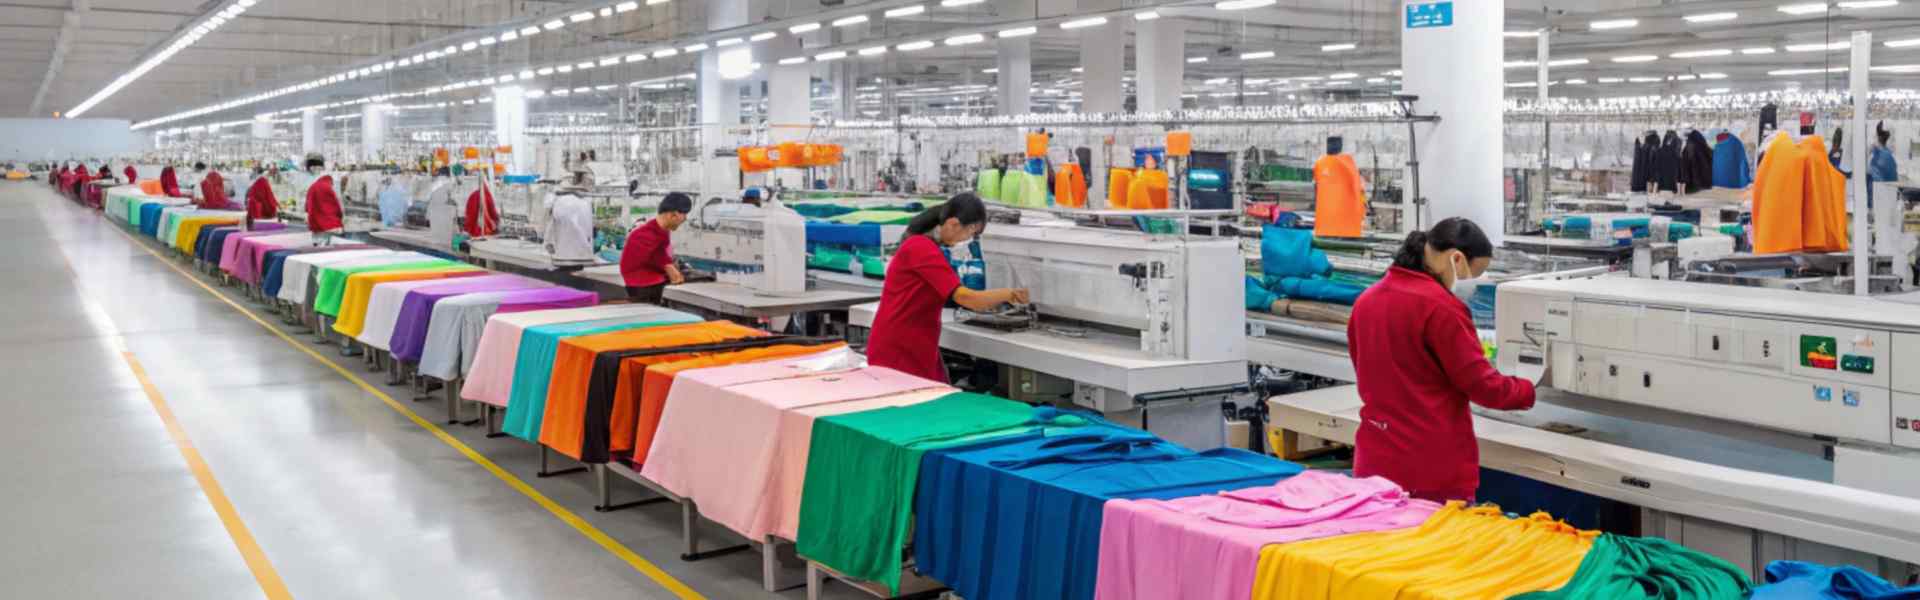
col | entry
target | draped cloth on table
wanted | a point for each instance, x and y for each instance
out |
(1799, 199)
(1147, 190)
(1458, 553)
(294, 276)
(1021, 517)
(333, 280)
(609, 393)
(1793, 580)
(491, 378)
(409, 339)
(360, 286)
(307, 286)
(533, 366)
(236, 253)
(1207, 547)
(251, 263)
(565, 419)
(383, 311)
(1629, 568)
(453, 340)
(273, 269)
(1340, 202)
(653, 383)
(1824, 222)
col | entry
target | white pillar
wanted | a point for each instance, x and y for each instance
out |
(312, 132)
(1102, 54)
(719, 105)
(1454, 66)
(789, 100)
(1013, 61)
(373, 132)
(1862, 237)
(510, 127)
(1542, 51)
(1160, 59)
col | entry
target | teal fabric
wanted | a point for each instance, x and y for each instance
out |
(1293, 268)
(533, 366)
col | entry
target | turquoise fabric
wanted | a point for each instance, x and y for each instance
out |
(533, 366)
(1293, 268)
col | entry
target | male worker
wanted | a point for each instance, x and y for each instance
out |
(647, 262)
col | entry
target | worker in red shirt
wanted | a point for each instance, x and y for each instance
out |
(324, 216)
(920, 281)
(261, 203)
(1418, 362)
(646, 263)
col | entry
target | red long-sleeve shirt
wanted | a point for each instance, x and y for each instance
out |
(1418, 363)
(170, 183)
(648, 253)
(213, 192)
(323, 207)
(260, 201)
(482, 218)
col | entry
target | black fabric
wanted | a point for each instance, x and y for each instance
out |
(1769, 120)
(1666, 163)
(647, 295)
(1696, 163)
(596, 437)
(1643, 149)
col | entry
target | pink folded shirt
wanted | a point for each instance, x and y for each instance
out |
(1208, 547)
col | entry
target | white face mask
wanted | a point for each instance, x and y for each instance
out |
(1464, 284)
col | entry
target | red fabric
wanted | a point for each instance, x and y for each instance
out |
(213, 192)
(323, 207)
(481, 200)
(1418, 363)
(133, 176)
(260, 201)
(906, 330)
(648, 252)
(170, 184)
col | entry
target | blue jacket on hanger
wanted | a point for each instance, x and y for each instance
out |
(1730, 166)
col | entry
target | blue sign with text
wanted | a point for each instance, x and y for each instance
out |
(1429, 14)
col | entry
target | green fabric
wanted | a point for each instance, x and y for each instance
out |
(819, 210)
(1629, 568)
(333, 282)
(1285, 173)
(862, 468)
(874, 266)
(987, 185)
(875, 217)
(831, 259)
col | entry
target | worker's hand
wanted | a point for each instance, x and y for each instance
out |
(674, 277)
(1018, 296)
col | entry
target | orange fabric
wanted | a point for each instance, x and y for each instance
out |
(1119, 181)
(563, 424)
(1069, 186)
(1824, 220)
(150, 187)
(1779, 186)
(653, 381)
(1179, 143)
(1339, 206)
(789, 154)
(1037, 145)
(1148, 190)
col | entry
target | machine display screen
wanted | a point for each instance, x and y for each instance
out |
(1819, 352)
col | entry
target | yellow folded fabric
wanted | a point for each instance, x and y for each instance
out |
(1458, 554)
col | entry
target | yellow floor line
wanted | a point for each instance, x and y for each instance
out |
(263, 571)
(613, 546)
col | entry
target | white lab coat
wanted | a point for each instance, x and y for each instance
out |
(569, 231)
(441, 210)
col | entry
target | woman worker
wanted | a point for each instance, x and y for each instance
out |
(920, 281)
(1418, 362)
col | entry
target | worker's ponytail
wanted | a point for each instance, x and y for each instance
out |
(963, 206)
(1452, 233)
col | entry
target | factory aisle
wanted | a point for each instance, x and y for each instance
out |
(329, 490)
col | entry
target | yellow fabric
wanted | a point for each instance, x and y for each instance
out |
(189, 230)
(1339, 205)
(1458, 554)
(353, 302)
(1119, 182)
(1824, 224)
(1148, 191)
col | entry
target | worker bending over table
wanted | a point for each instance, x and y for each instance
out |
(646, 264)
(1418, 362)
(324, 216)
(921, 281)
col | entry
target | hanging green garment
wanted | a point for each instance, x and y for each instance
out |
(876, 217)
(987, 185)
(1034, 191)
(1011, 188)
(862, 468)
(1630, 568)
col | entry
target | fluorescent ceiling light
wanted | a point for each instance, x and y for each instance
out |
(793, 60)
(1711, 17)
(853, 20)
(554, 24)
(1521, 34)
(653, 2)
(526, 74)
(1018, 32)
(912, 46)
(1146, 15)
(545, 71)
(606, 11)
(1638, 58)
(1376, 80)
(563, 69)
(1754, 51)
(1906, 43)
(1819, 47)
(528, 31)
(1338, 47)
(1644, 79)
(1343, 76)
(1713, 75)
(469, 46)
(696, 47)
(1866, 4)
(1718, 90)
(625, 6)
(581, 17)
(1257, 55)
(962, 40)
(1393, 73)
(1565, 62)
(1242, 4)
(763, 36)
(827, 56)
(1201, 59)
(875, 50)
(1701, 53)
(1804, 9)
(488, 41)
(906, 11)
(632, 58)
(1576, 82)
(609, 61)
(1087, 22)
(956, 3)
(1792, 72)
(1614, 24)
(803, 27)
(665, 52)
(990, 71)
(728, 42)
(584, 65)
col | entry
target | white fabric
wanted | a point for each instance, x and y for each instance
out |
(293, 274)
(383, 310)
(569, 231)
(454, 319)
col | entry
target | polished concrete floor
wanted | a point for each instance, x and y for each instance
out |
(343, 495)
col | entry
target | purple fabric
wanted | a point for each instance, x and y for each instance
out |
(547, 299)
(416, 311)
(229, 250)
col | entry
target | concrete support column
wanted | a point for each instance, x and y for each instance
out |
(312, 131)
(1102, 57)
(373, 132)
(789, 100)
(510, 127)
(1013, 58)
(719, 106)
(1160, 59)
(1454, 66)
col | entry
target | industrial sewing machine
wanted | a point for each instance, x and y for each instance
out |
(1823, 366)
(763, 248)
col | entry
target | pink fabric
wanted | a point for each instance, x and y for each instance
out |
(248, 252)
(738, 451)
(1208, 547)
(234, 248)
(491, 378)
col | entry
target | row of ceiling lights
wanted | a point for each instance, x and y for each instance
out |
(1796, 9)
(193, 35)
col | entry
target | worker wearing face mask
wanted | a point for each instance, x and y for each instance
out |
(1418, 361)
(323, 205)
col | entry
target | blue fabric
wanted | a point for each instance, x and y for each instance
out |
(271, 275)
(864, 234)
(1288, 252)
(1258, 296)
(1321, 290)
(1730, 166)
(1787, 579)
(1019, 517)
(1880, 167)
(393, 206)
(216, 244)
(972, 268)
(150, 219)
(199, 247)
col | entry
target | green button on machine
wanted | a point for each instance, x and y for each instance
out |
(1856, 364)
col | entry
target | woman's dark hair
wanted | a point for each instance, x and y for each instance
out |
(963, 206)
(1452, 233)
(199, 166)
(676, 202)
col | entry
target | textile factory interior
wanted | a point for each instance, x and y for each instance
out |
(934, 299)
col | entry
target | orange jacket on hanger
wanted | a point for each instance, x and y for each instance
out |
(1119, 183)
(1779, 192)
(1339, 206)
(1824, 224)
(1069, 186)
(1148, 190)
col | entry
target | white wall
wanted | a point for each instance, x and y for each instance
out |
(45, 139)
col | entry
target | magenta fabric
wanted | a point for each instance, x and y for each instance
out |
(547, 299)
(416, 311)
(248, 252)
(231, 253)
(1208, 547)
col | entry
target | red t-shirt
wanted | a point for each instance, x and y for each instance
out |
(906, 330)
(648, 253)
(1418, 362)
